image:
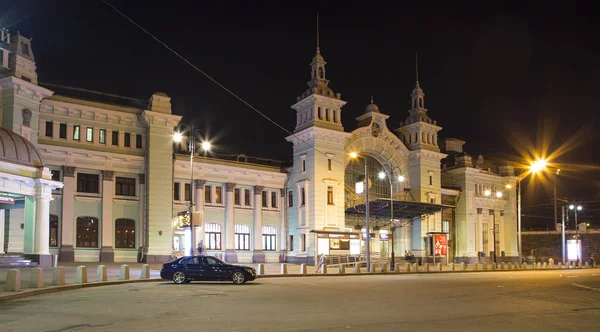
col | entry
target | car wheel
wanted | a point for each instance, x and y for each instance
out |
(179, 277)
(238, 278)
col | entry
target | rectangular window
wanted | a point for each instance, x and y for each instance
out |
(127, 140)
(291, 244)
(89, 134)
(62, 130)
(446, 227)
(212, 236)
(138, 141)
(115, 138)
(330, 195)
(55, 175)
(219, 195)
(87, 232)
(24, 49)
(87, 183)
(76, 133)
(264, 199)
(176, 194)
(247, 197)
(207, 194)
(273, 199)
(303, 241)
(290, 198)
(49, 128)
(242, 237)
(269, 237)
(303, 165)
(102, 138)
(431, 180)
(53, 230)
(329, 164)
(187, 191)
(125, 186)
(302, 197)
(236, 196)
(125, 233)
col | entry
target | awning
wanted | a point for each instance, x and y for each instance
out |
(402, 209)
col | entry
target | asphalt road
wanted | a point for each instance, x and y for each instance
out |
(492, 301)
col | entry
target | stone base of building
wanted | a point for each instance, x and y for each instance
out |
(231, 256)
(67, 254)
(157, 259)
(258, 256)
(308, 260)
(107, 255)
(42, 260)
(282, 257)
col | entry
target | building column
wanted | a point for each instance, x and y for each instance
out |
(2, 217)
(67, 223)
(282, 227)
(143, 230)
(258, 256)
(107, 253)
(230, 254)
(199, 203)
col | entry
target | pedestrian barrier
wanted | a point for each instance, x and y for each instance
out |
(81, 275)
(284, 269)
(324, 269)
(101, 273)
(124, 275)
(302, 269)
(36, 279)
(579, 264)
(560, 266)
(438, 267)
(502, 266)
(510, 265)
(145, 272)
(13, 281)
(58, 276)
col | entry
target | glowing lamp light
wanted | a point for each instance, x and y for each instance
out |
(538, 165)
(508, 186)
(487, 192)
(382, 175)
(579, 208)
(177, 137)
(401, 178)
(499, 194)
(206, 146)
(571, 207)
(353, 155)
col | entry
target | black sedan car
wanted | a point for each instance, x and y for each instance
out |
(205, 268)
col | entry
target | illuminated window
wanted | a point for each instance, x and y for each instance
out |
(269, 234)
(219, 195)
(76, 133)
(89, 134)
(212, 236)
(87, 232)
(102, 138)
(242, 237)
(125, 233)
(446, 227)
(53, 230)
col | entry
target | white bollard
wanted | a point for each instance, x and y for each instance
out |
(357, 268)
(484, 266)
(502, 266)
(426, 267)
(81, 275)
(145, 273)
(283, 270)
(587, 265)
(124, 275)
(415, 267)
(560, 266)
(462, 266)
(302, 269)
(36, 279)
(342, 269)
(579, 264)
(407, 267)
(373, 268)
(324, 269)
(438, 267)
(474, 267)
(101, 273)
(58, 276)
(384, 268)
(544, 265)
(451, 267)
(13, 281)
(511, 266)
(260, 270)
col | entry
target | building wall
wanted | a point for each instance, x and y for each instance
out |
(541, 246)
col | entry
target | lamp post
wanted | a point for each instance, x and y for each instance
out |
(535, 167)
(576, 208)
(178, 137)
(354, 155)
(382, 175)
(498, 194)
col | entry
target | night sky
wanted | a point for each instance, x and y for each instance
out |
(507, 79)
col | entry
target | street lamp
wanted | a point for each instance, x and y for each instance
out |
(354, 155)
(576, 208)
(178, 137)
(400, 179)
(498, 194)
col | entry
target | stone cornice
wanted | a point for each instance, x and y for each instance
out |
(315, 133)
(426, 155)
(23, 86)
(94, 113)
(412, 127)
(320, 100)
(151, 119)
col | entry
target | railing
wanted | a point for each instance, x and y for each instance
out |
(351, 260)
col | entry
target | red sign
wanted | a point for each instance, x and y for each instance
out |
(441, 244)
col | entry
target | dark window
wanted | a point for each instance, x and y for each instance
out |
(76, 133)
(431, 180)
(303, 165)
(55, 175)
(87, 232)
(89, 134)
(330, 195)
(115, 138)
(242, 237)
(207, 194)
(125, 186)
(291, 244)
(127, 142)
(303, 240)
(49, 128)
(62, 130)
(176, 196)
(219, 195)
(212, 236)
(236, 196)
(273, 199)
(87, 183)
(187, 192)
(329, 164)
(269, 234)
(290, 198)
(264, 199)
(125, 233)
(302, 197)
(138, 141)
(24, 49)
(102, 138)
(247, 197)
(53, 230)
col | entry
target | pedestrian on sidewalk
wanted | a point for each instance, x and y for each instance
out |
(321, 263)
(200, 248)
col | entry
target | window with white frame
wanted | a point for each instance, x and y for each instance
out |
(242, 237)
(446, 227)
(269, 234)
(212, 236)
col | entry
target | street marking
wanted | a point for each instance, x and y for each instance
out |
(586, 287)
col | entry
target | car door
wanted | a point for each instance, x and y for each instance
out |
(194, 269)
(218, 270)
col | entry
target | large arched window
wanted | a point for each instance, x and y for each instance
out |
(125, 233)
(87, 232)
(242, 237)
(53, 230)
(212, 236)
(269, 234)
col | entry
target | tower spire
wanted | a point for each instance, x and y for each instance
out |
(318, 50)
(417, 67)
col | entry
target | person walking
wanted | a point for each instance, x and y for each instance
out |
(200, 248)
(321, 263)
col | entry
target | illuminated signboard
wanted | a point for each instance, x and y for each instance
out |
(440, 244)
(7, 200)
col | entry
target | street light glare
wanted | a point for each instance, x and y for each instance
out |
(206, 146)
(382, 175)
(401, 178)
(487, 192)
(177, 137)
(499, 194)
(571, 207)
(508, 186)
(353, 155)
(539, 165)
(579, 208)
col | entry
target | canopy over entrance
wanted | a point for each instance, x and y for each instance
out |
(382, 208)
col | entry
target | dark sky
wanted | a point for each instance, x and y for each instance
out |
(505, 78)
